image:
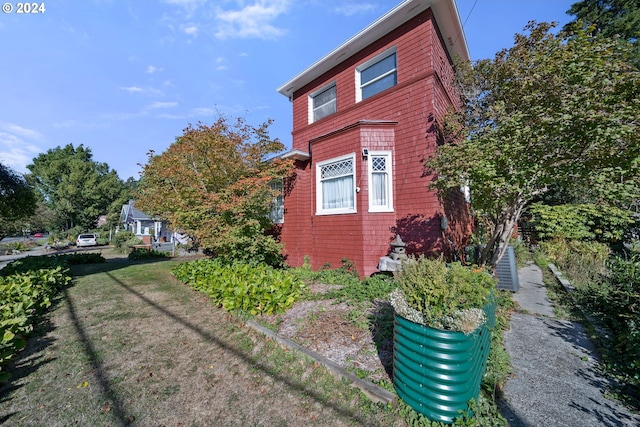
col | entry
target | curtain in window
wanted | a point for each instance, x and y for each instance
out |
(337, 193)
(378, 190)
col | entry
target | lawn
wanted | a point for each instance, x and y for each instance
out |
(127, 344)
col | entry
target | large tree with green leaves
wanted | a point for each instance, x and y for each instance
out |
(611, 19)
(74, 186)
(553, 109)
(17, 200)
(214, 184)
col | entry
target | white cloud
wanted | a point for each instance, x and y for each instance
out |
(20, 131)
(145, 91)
(190, 29)
(132, 89)
(151, 69)
(351, 9)
(17, 146)
(157, 105)
(252, 21)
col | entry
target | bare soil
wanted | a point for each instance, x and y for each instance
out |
(329, 328)
(129, 345)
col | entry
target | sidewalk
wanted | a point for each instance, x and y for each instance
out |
(555, 379)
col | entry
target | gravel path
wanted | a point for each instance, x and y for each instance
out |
(556, 379)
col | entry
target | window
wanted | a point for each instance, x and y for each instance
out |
(376, 75)
(277, 204)
(380, 188)
(335, 186)
(322, 103)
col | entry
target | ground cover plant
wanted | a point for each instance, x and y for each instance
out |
(131, 345)
(255, 289)
(27, 288)
(144, 254)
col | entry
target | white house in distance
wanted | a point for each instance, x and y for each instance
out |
(149, 230)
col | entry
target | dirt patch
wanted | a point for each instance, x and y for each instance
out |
(357, 338)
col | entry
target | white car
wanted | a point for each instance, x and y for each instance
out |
(86, 240)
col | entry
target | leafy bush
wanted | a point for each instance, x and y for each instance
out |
(581, 222)
(583, 262)
(27, 264)
(443, 296)
(142, 254)
(24, 296)
(123, 240)
(616, 302)
(257, 289)
(249, 245)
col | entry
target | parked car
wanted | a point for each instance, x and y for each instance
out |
(86, 240)
(38, 235)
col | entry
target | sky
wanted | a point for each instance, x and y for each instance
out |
(124, 77)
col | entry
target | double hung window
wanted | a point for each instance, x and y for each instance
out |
(376, 75)
(322, 103)
(380, 188)
(335, 186)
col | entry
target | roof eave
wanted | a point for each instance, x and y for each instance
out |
(444, 11)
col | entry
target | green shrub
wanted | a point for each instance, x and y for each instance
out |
(443, 294)
(142, 254)
(249, 246)
(583, 262)
(581, 222)
(23, 297)
(124, 240)
(27, 264)
(615, 302)
(256, 289)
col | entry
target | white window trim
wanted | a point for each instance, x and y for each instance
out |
(314, 94)
(370, 62)
(279, 186)
(340, 211)
(389, 169)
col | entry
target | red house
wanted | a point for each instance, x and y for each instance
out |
(364, 122)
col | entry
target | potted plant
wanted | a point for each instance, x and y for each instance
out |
(443, 316)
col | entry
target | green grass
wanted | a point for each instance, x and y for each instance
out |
(128, 344)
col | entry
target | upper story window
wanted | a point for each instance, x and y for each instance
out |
(380, 181)
(335, 186)
(376, 75)
(322, 103)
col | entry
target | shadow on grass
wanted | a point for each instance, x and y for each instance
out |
(33, 356)
(239, 354)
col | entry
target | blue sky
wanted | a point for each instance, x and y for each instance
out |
(124, 77)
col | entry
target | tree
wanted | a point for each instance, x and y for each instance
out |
(17, 200)
(553, 109)
(213, 183)
(610, 18)
(75, 187)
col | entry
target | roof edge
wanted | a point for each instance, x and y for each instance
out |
(446, 16)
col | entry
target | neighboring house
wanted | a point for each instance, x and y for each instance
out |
(364, 122)
(148, 229)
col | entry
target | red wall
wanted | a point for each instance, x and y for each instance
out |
(403, 122)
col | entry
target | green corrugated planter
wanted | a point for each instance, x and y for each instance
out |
(437, 372)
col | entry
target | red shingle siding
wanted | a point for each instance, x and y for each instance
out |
(400, 120)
